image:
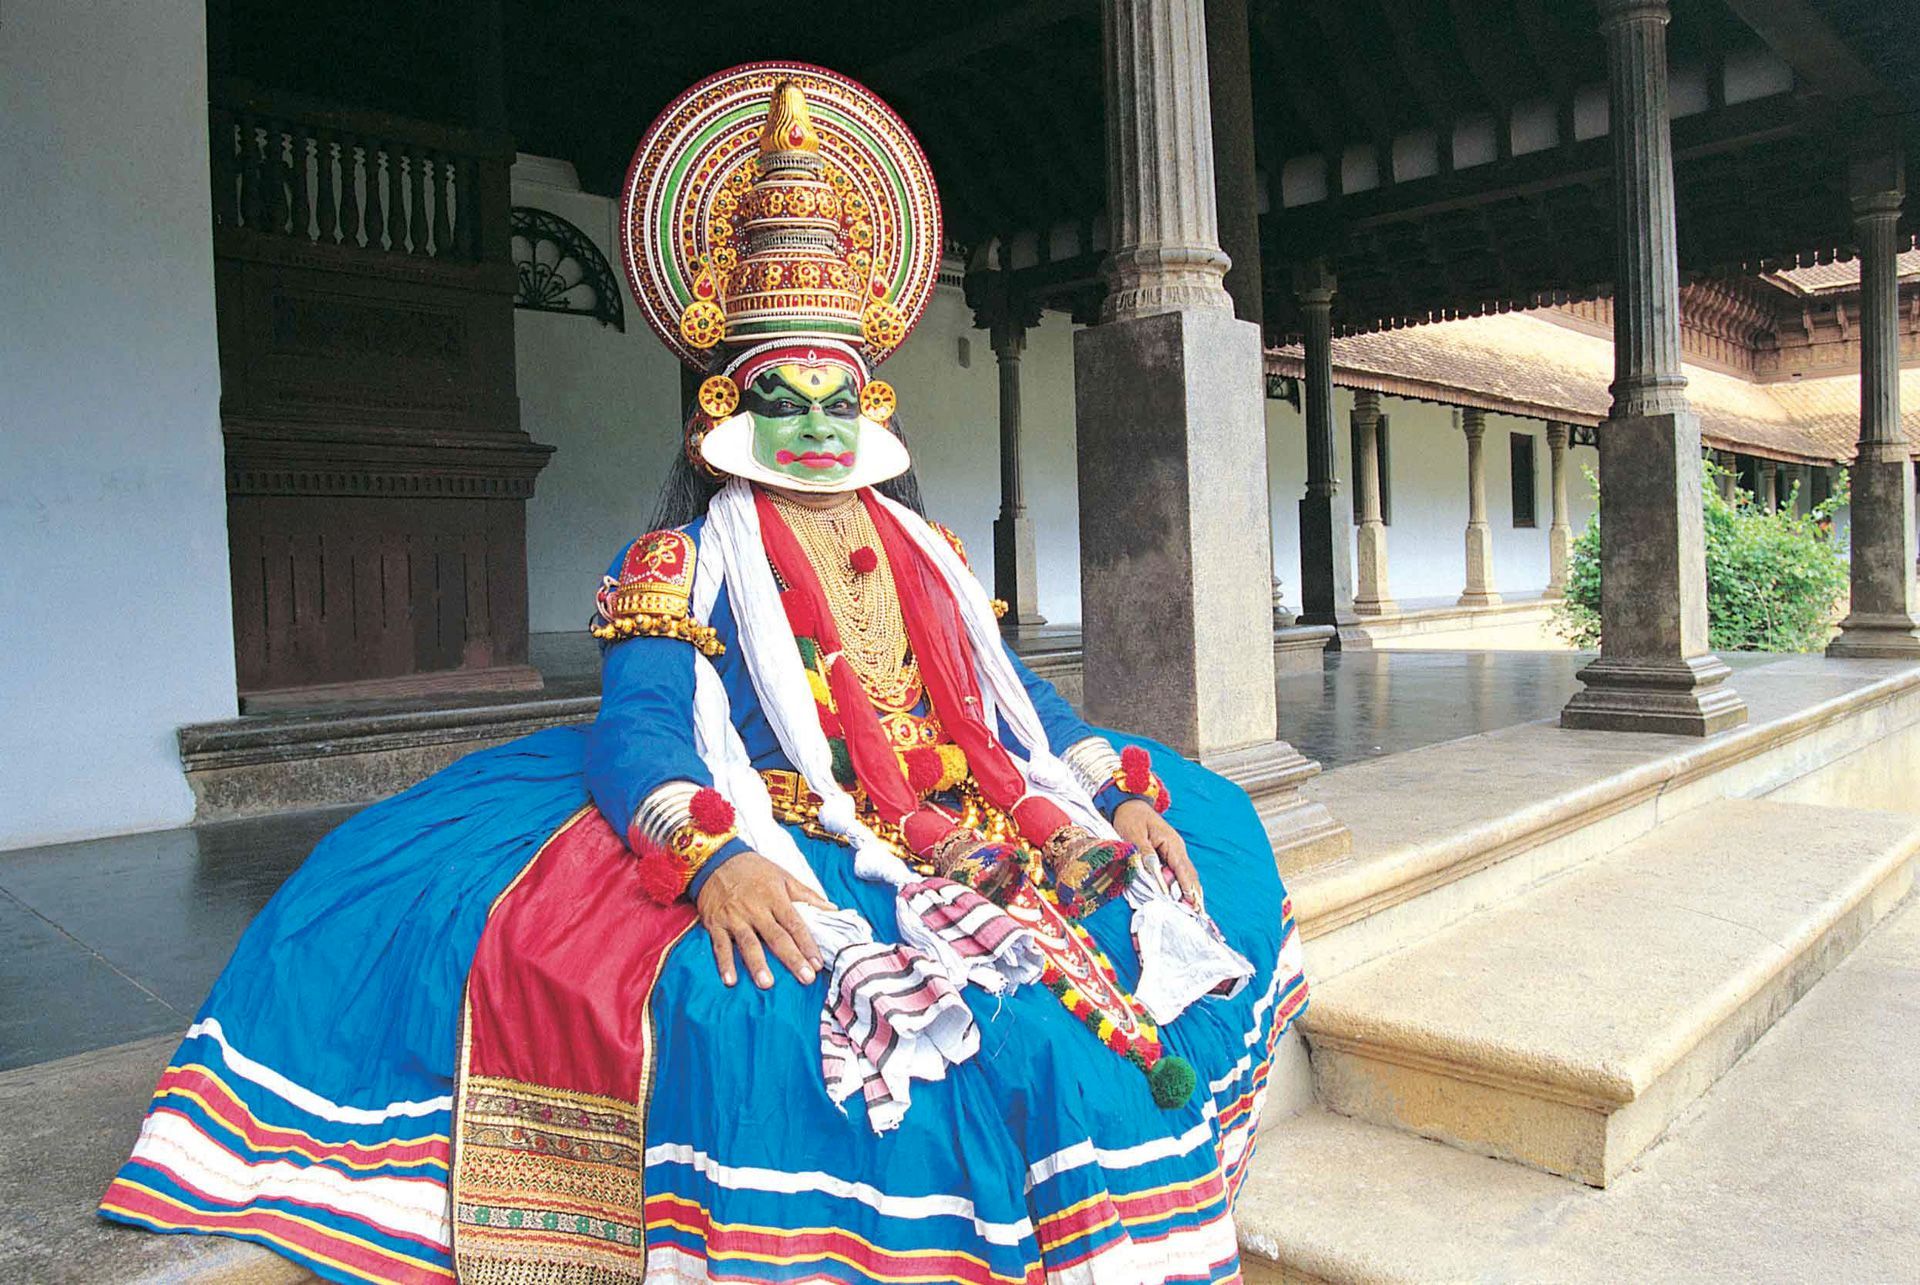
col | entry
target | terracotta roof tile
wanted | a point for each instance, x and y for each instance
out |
(1526, 364)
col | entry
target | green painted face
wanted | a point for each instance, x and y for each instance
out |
(806, 421)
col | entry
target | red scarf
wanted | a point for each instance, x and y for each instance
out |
(940, 645)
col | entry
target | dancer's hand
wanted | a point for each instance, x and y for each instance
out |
(750, 904)
(1147, 830)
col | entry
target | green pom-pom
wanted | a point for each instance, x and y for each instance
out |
(1172, 1080)
(809, 652)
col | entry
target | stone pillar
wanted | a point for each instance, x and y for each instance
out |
(1479, 591)
(1176, 566)
(1884, 616)
(1371, 596)
(1766, 488)
(1016, 579)
(1326, 561)
(1560, 531)
(1655, 673)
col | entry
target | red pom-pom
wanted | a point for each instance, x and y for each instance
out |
(864, 559)
(1119, 1042)
(800, 615)
(1162, 801)
(1136, 769)
(923, 768)
(711, 814)
(660, 878)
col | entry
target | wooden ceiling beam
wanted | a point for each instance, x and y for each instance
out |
(1358, 77)
(1804, 41)
(1304, 87)
(1411, 30)
(936, 54)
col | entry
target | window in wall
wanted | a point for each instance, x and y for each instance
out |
(1381, 441)
(1521, 455)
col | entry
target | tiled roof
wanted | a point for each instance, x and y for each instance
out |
(1525, 364)
(1824, 278)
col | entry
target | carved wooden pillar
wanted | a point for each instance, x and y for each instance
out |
(1326, 572)
(1371, 596)
(1016, 578)
(1560, 532)
(1655, 672)
(1479, 591)
(1884, 616)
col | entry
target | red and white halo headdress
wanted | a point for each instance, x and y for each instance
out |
(784, 213)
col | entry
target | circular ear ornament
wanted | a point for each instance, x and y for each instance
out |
(719, 397)
(877, 401)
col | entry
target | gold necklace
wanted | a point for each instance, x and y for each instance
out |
(865, 607)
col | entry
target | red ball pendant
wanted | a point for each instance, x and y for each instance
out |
(863, 559)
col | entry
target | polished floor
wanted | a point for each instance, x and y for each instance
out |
(110, 940)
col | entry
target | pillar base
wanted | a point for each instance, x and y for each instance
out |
(1559, 557)
(1015, 577)
(1864, 637)
(1370, 550)
(1479, 591)
(1302, 832)
(1678, 697)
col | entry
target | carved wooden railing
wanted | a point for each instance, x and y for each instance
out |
(287, 167)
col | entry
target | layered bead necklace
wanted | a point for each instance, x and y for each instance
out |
(864, 603)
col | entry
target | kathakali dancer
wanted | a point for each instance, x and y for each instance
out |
(953, 1010)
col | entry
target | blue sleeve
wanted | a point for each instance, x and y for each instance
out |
(643, 736)
(1061, 722)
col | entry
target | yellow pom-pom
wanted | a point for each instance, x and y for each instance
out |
(1071, 997)
(1106, 1027)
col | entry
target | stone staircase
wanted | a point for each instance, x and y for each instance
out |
(1548, 945)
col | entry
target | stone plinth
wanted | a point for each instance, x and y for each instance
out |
(1882, 619)
(1655, 673)
(1174, 555)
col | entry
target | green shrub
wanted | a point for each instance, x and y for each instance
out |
(1774, 580)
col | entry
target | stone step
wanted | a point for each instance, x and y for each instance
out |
(1796, 1166)
(1566, 1029)
(1446, 831)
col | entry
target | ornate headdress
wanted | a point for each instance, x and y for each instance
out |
(780, 213)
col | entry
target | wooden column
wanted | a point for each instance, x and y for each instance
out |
(1655, 672)
(1560, 532)
(1326, 574)
(1016, 579)
(1884, 616)
(1371, 596)
(1479, 591)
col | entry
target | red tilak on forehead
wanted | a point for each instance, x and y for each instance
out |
(757, 361)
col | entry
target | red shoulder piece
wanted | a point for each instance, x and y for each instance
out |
(652, 594)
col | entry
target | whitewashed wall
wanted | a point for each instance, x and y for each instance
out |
(115, 622)
(1426, 542)
(607, 401)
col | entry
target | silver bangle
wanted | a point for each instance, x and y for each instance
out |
(663, 813)
(1093, 761)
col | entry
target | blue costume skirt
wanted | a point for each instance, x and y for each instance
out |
(459, 1039)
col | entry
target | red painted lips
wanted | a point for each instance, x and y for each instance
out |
(815, 459)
